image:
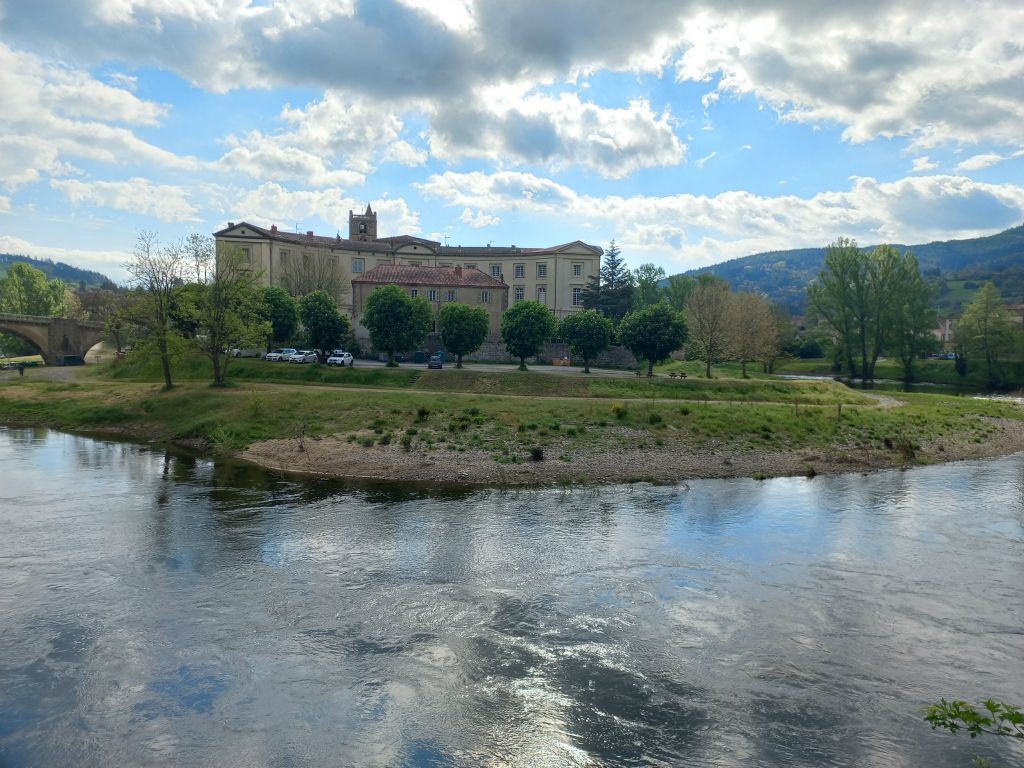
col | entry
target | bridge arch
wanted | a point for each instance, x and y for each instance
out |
(56, 337)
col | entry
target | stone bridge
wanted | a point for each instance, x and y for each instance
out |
(55, 337)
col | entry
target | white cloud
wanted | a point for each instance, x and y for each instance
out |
(922, 69)
(698, 229)
(110, 262)
(52, 112)
(141, 196)
(5, 204)
(704, 160)
(478, 219)
(923, 163)
(978, 162)
(271, 203)
(557, 131)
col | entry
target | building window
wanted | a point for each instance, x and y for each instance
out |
(577, 297)
(471, 266)
(577, 270)
(542, 270)
(485, 297)
(358, 265)
(432, 293)
(283, 257)
(247, 253)
(362, 229)
(452, 296)
(496, 270)
(414, 292)
(542, 294)
(520, 293)
(307, 260)
(520, 271)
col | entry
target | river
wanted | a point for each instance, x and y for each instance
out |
(161, 609)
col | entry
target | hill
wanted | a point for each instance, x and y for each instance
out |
(957, 267)
(71, 275)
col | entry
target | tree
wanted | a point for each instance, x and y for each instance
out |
(25, 290)
(752, 331)
(610, 292)
(985, 332)
(282, 311)
(463, 329)
(396, 321)
(653, 333)
(588, 333)
(707, 316)
(525, 326)
(157, 270)
(226, 310)
(310, 272)
(913, 317)
(835, 292)
(678, 291)
(324, 326)
(647, 277)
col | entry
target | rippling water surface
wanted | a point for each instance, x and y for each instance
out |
(159, 609)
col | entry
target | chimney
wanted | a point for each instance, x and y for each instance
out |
(458, 271)
(273, 229)
(309, 233)
(231, 224)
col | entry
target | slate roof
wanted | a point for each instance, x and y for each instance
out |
(398, 274)
(389, 244)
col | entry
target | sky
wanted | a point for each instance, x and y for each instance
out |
(688, 132)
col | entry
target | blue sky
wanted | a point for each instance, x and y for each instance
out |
(689, 132)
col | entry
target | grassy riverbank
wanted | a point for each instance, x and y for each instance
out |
(520, 427)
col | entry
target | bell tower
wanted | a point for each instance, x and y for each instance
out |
(362, 226)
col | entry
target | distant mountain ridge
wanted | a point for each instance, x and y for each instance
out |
(71, 275)
(783, 275)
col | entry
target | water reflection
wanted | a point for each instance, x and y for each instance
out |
(179, 610)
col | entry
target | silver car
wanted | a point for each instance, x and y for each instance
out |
(282, 354)
(303, 356)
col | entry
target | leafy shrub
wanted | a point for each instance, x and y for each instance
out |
(536, 453)
(620, 411)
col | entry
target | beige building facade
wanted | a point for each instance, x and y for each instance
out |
(555, 276)
(439, 286)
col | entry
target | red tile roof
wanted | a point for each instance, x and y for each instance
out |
(398, 274)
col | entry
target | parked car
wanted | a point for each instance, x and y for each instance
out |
(342, 358)
(303, 356)
(282, 354)
(436, 361)
(248, 352)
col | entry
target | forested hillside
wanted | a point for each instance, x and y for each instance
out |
(957, 267)
(71, 275)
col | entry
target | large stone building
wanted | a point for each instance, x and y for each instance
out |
(554, 276)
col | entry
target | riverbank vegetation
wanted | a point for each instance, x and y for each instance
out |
(474, 425)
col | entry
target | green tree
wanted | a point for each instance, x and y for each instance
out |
(647, 277)
(610, 292)
(653, 333)
(913, 317)
(588, 333)
(840, 285)
(281, 309)
(463, 329)
(708, 320)
(157, 270)
(525, 326)
(396, 321)
(25, 290)
(323, 325)
(226, 310)
(678, 291)
(985, 332)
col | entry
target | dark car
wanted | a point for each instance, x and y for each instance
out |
(435, 361)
